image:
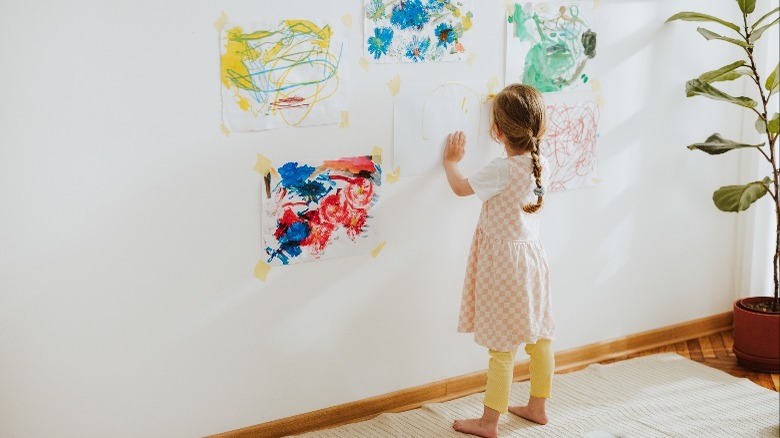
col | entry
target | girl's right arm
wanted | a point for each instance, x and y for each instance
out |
(453, 153)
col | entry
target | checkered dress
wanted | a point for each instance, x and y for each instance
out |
(506, 294)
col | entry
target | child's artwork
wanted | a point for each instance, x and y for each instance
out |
(322, 210)
(288, 73)
(570, 141)
(417, 30)
(426, 112)
(549, 44)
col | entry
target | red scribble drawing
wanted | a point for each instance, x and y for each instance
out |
(290, 102)
(570, 146)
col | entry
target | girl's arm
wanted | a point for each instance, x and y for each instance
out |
(453, 153)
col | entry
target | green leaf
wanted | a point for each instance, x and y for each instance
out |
(756, 34)
(739, 198)
(764, 17)
(716, 145)
(710, 35)
(696, 16)
(772, 81)
(696, 87)
(773, 125)
(760, 126)
(722, 74)
(747, 6)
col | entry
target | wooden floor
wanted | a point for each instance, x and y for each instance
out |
(714, 351)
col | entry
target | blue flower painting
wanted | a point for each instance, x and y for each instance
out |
(444, 34)
(417, 30)
(417, 48)
(379, 43)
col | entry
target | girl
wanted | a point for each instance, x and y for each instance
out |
(506, 293)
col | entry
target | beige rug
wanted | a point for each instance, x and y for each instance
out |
(663, 395)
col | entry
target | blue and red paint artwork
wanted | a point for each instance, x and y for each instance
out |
(320, 211)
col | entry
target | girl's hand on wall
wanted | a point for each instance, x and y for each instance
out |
(456, 147)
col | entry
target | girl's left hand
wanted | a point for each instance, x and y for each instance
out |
(456, 147)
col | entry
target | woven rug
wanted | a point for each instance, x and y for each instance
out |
(663, 395)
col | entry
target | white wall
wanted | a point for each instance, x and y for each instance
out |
(129, 224)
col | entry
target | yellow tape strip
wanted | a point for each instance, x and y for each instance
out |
(472, 58)
(492, 84)
(394, 84)
(347, 20)
(394, 176)
(596, 4)
(376, 155)
(364, 64)
(221, 21)
(263, 165)
(378, 249)
(225, 130)
(595, 85)
(261, 270)
(600, 101)
(344, 119)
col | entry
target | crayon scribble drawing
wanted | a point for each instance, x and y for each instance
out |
(570, 141)
(417, 30)
(549, 44)
(284, 74)
(322, 210)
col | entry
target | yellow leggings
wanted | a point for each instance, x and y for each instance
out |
(501, 365)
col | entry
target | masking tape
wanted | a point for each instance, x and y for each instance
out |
(492, 84)
(394, 85)
(221, 21)
(263, 165)
(344, 119)
(394, 176)
(347, 20)
(225, 130)
(376, 155)
(378, 249)
(261, 270)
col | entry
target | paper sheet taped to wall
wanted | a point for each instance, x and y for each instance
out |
(313, 211)
(287, 73)
(426, 112)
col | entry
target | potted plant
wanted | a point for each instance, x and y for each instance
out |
(756, 319)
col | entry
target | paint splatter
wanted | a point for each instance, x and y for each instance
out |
(557, 44)
(417, 30)
(315, 207)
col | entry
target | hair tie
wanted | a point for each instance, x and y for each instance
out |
(539, 191)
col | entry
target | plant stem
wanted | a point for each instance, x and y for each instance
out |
(775, 171)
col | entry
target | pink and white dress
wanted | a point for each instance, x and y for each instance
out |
(506, 293)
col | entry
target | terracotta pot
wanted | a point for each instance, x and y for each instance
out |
(756, 337)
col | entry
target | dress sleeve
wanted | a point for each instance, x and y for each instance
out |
(490, 180)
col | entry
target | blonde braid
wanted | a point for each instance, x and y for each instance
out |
(537, 172)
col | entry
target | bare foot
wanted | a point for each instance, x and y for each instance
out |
(529, 414)
(533, 411)
(477, 427)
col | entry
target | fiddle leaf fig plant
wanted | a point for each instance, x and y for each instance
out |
(736, 198)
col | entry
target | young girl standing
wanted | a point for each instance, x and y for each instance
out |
(506, 294)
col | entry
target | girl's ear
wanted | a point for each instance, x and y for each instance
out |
(499, 134)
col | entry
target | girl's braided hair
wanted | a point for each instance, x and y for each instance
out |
(520, 115)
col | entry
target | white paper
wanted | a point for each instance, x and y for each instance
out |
(320, 210)
(550, 45)
(571, 139)
(287, 73)
(417, 30)
(426, 112)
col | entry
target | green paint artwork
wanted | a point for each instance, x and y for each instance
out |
(549, 44)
